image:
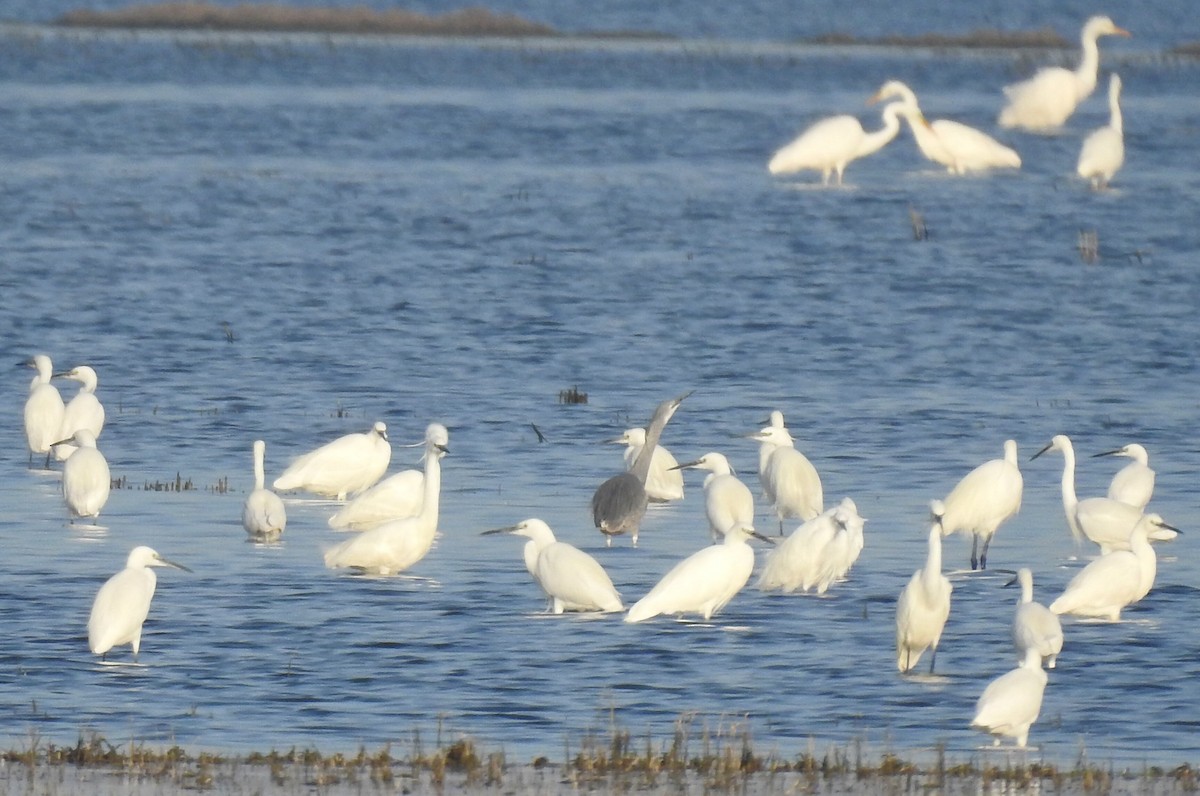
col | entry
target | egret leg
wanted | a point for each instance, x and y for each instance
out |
(974, 559)
(607, 540)
(932, 659)
(983, 554)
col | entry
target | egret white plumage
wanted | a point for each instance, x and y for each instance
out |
(664, 482)
(1105, 521)
(923, 608)
(263, 514)
(1133, 483)
(982, 501)
(1012, 702)
(1046, 100)
(766, 448)
(572, 579)
(398, 496)
(123, 602)
(791, 482)
(1114, 580)
(816, 554)
(703, 582)
(727, 501)
(43, 409)
(1103, 151)
(84, 410)
(85, 479)
(395, 546)
(345, 466)
(831, 144)
(961, 149)
(1035, 627)
(619, 503)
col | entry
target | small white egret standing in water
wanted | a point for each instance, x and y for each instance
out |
(1103, 151)
(765, 449)
(1035, 627)
(664, 482)
(983, 501)
(956, 146)
(703, 582)
(572, 579)
(85, 479)
(1044, 101)
(345, 466)
(84, 410)
(1114, 580)
(727, 501)
(831, 144)
(619, 503)
(791, 482)
(1011, 703)
(395, 546)
(263, 514)
(1133, 483)
(43, 409)
(123, 602)
(816, 554)
(923, 608)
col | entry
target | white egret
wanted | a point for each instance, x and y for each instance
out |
(123, 602)
(983, 501)
(1114, 580)
(395, 546)
(1103, 151)
(398, 496)
(727, 501)
(619, 503)
(84, 410)
(816, 554)
(791, 483)
(831, 144)
(1105, 521)
(85, 479)
(704, 581)
(345, 466)
(1044, 101)
(1011, 703)
(572, 579)
(43, 409)
(664, 482)
(1133, 483)
(263, 514)
(923, 608)
(956, 146)
(766, 448)
(1035, 627)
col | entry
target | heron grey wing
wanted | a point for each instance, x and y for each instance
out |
(619, 503)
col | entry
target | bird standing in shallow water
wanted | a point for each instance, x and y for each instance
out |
(84, 410)
(727, 501)
(1035, 627)
(345, 466)
(923, 608)
(1012, 702)
(831, 144)
(1103, 151)
(790, 481)
(263, 514)
(619, 503)
(1133, 483)
(123, 602)
(85, 480)
(983, 501)
(43, 409)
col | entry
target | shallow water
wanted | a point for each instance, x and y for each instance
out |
(456, 232)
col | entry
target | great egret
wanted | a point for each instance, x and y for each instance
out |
(397, 545)
(956, 146)
(398, 496)
(345, 466)
(1011, 703)
(619, 503)
(85, 479)
(831, 144)
(664, 482)
(703, 582)
(1046, 100)
(1133, 483)
(816, 554)
(43, 409)
(727, 501)
(923, 608)
(572, 579)
(263, 514)
(791, 482)
(1103, 151)
(1035, 627)
(84, 410)
(1114, 580)
(983, 501)
(123, 602)
(1105, 521)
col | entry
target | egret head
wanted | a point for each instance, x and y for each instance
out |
(143, 556)
(1060, 442)
(380, 428)
(1103, 26)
